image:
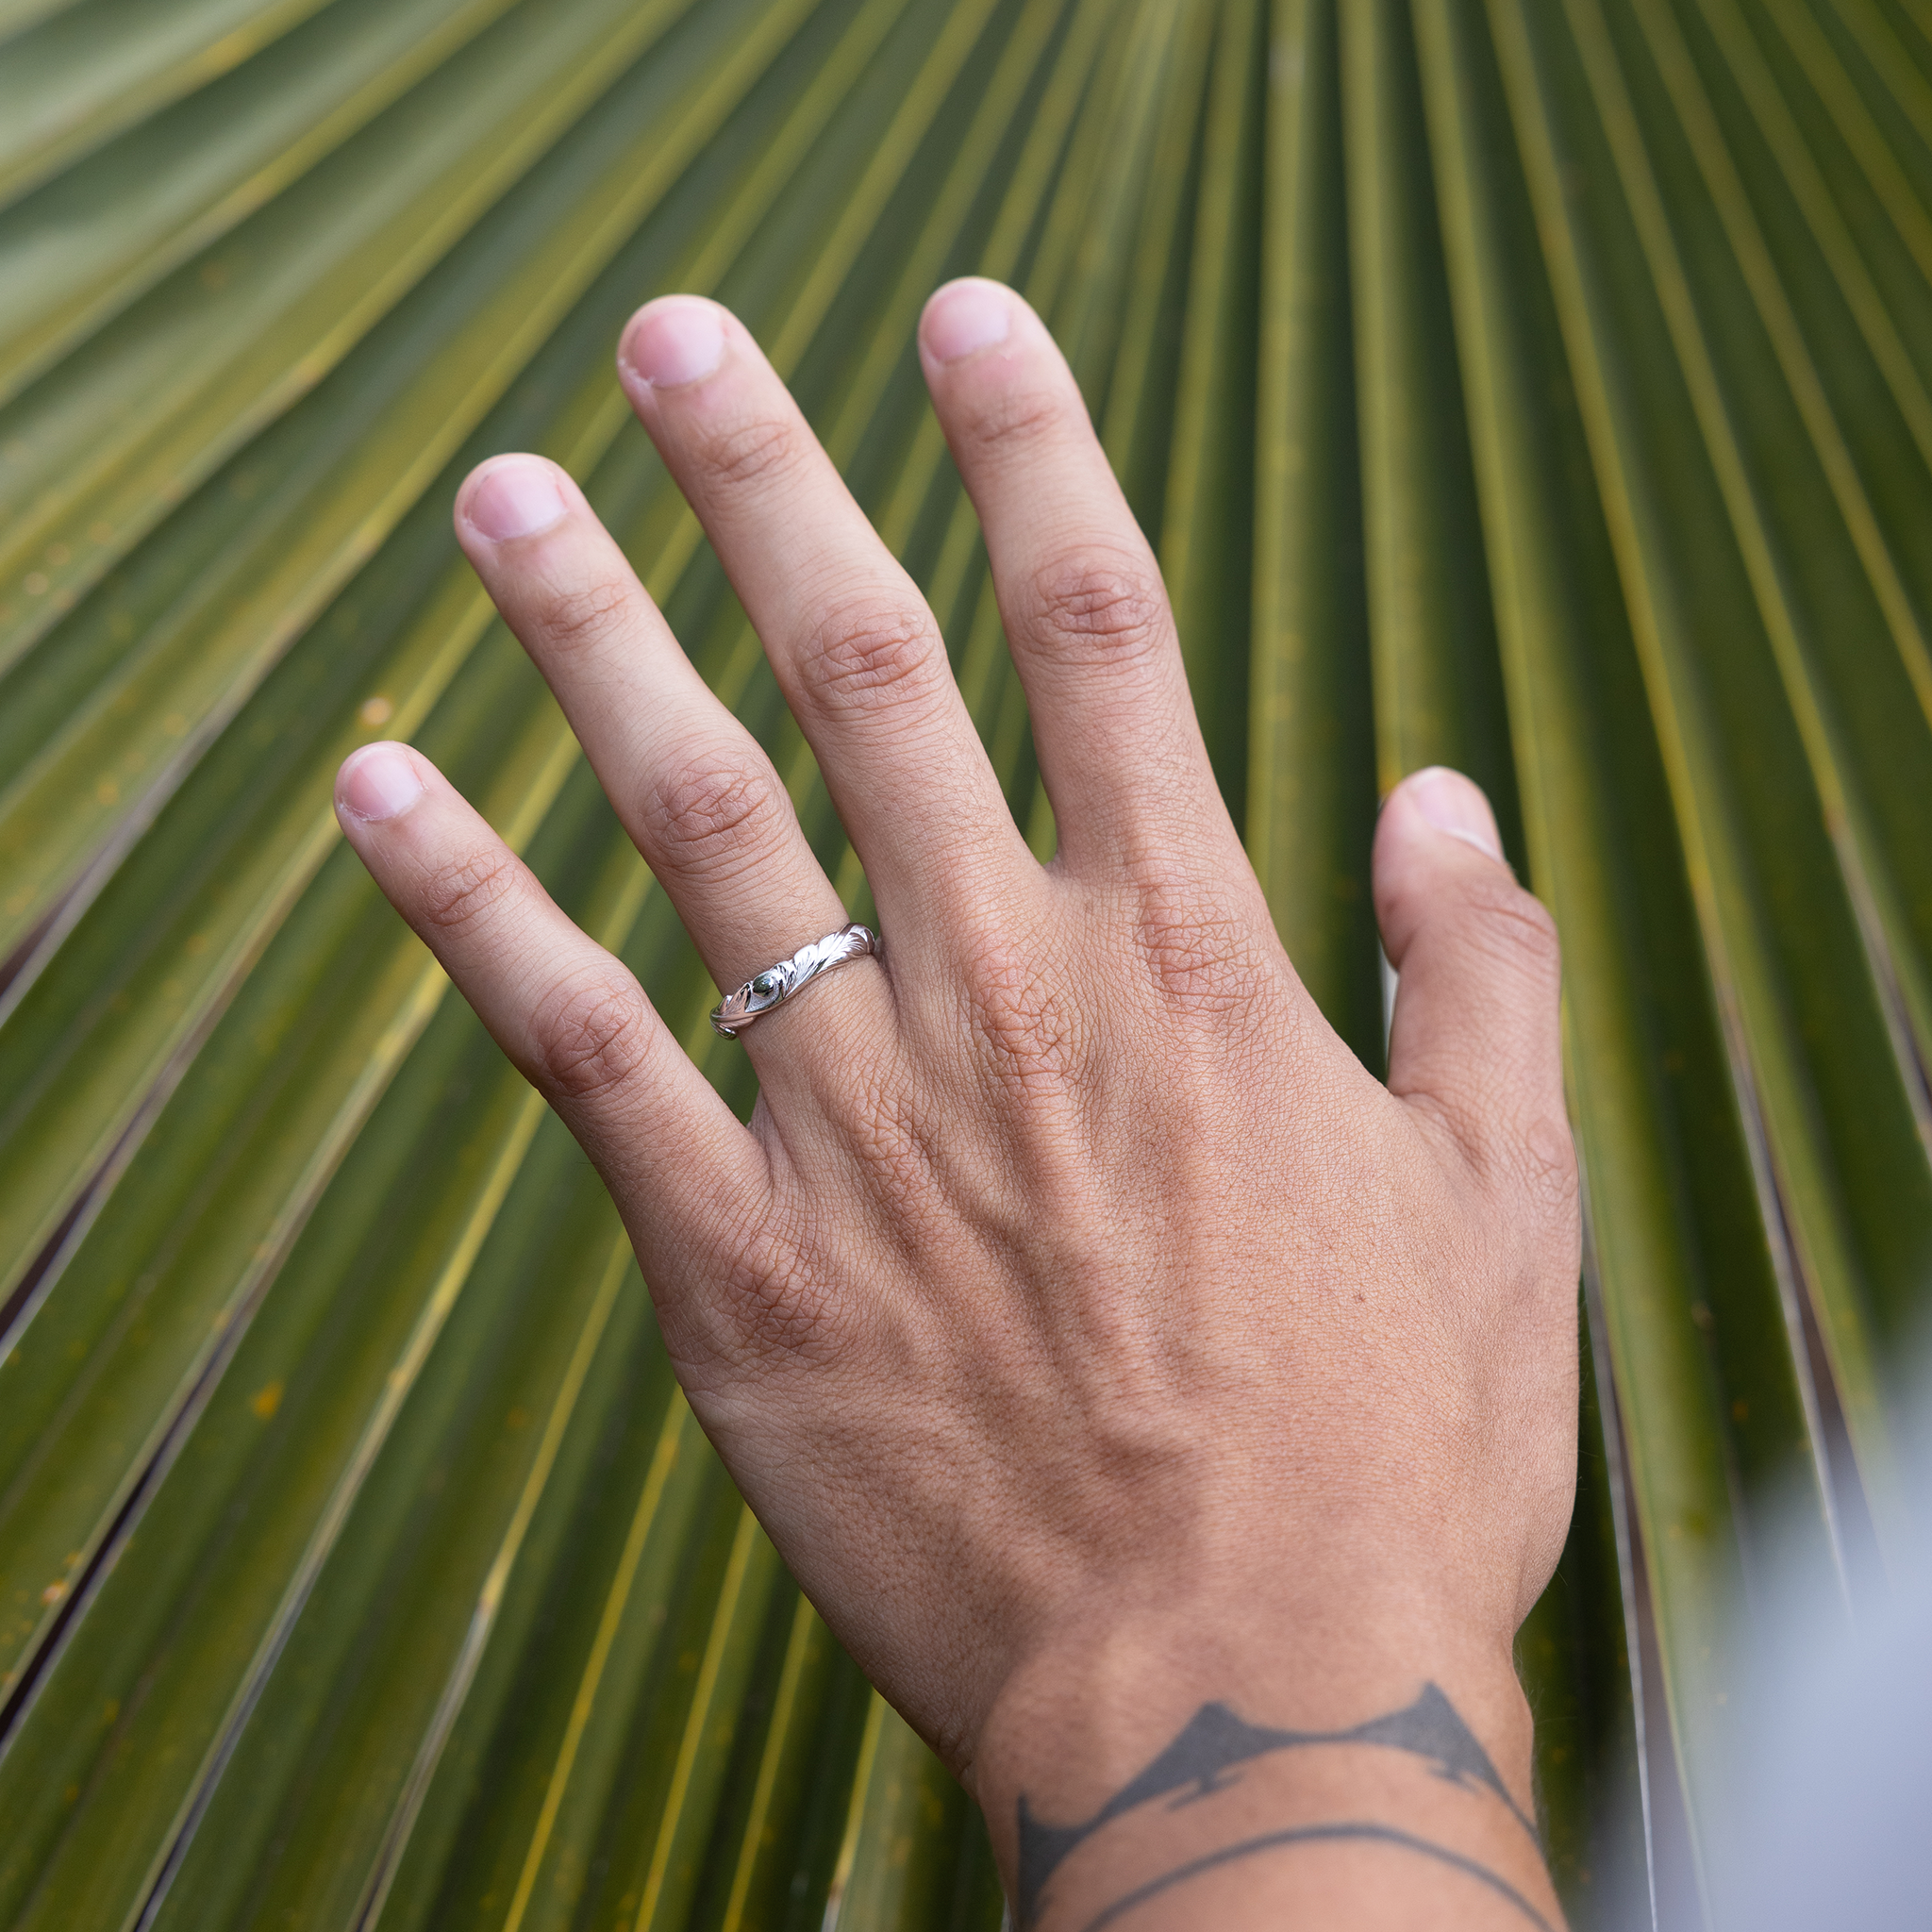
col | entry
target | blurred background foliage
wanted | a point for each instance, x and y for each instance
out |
(1541, 387)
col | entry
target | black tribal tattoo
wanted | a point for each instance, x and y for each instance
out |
(1215, 1741)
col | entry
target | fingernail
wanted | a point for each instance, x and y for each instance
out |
(379, 781)
(1455, 805)
(674, 342)
(966, 317)
(515, 498)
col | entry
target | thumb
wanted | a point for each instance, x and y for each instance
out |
(1476, 1039)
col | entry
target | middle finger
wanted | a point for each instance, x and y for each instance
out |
(854, 647)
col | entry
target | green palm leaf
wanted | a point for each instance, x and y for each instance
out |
(1545, 391)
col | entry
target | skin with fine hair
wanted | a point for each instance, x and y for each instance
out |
(1175, 1421)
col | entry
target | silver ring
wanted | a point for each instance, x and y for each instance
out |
(776, 984)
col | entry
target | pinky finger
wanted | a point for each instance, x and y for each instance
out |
(570, 1015)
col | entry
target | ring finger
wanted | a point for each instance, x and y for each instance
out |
(693, 789)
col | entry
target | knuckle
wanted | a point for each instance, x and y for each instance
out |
(1018, 419)
(1198, 954)
(756, 452)
(1103, 603)
(1518, 928)
(1027, 1033)
(710, 821)
(592, 1034)
(579, 617)
(773, 1302)
(1550, 1170)
(896, 1142)
(462, 889)
(871, 651)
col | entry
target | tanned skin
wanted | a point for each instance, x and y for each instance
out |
(1174, 1419)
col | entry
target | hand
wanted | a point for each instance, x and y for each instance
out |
(1121, 1369)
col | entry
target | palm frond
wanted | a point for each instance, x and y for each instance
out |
(1541, 390)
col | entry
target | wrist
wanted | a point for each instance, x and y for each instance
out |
(1376, 1716)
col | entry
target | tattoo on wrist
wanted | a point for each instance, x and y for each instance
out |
(1204, 1758)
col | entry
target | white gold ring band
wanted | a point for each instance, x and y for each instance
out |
(776, 984)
